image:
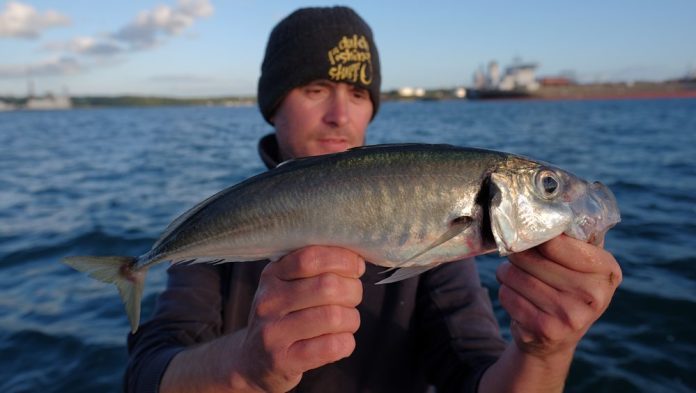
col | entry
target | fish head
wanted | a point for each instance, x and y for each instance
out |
(531, 203)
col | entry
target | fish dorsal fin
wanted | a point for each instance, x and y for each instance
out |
(457, 226)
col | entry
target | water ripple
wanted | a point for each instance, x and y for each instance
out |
(109, 181)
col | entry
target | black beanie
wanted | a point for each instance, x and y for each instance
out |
(332, 43)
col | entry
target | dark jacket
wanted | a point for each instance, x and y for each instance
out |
(437, 328)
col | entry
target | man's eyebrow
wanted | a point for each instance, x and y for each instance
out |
(360, 89)
(321, 82)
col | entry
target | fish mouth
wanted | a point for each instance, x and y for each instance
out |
(595, 215)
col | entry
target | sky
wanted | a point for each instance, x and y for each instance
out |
(196, 48)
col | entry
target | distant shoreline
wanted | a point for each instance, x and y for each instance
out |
(603, 96)
(82, 102)
(640, 90)
(596, 91)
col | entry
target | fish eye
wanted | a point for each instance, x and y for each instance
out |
(547, 183)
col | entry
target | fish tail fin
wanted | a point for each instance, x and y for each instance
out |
(119, 271)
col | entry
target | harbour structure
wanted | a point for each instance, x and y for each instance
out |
(518, 81)
(49, 102)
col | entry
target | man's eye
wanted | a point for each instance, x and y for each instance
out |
(314, 90)
(361, 94)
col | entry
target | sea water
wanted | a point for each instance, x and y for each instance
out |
(108, 181)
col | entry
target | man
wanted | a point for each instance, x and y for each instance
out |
(314, 320)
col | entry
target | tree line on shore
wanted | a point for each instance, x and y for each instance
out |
(109, 101)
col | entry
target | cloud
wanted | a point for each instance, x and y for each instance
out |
(144, 32)
(87, 46)
(24, 21)
(51, 67)
(148, 26)
(147, 30)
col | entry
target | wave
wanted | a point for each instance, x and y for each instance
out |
(93, 242)
(65, 364)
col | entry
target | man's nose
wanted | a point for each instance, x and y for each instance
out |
(337, 113)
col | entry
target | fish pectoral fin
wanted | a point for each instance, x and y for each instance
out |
(457, 226)
(405, 272)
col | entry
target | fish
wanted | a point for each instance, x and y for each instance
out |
(406, 207)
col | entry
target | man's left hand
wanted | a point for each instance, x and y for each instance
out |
(555, 292)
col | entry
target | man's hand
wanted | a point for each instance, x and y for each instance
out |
(553, 293)
(303, 316)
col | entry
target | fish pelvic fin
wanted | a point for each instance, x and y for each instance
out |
(406, 272)
(119, 271)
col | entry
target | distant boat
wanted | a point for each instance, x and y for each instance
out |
(49, 102)
(518, 81)
(492, 94)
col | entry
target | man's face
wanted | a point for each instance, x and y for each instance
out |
(322, 117)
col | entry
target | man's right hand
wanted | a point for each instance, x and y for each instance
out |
(303, 316)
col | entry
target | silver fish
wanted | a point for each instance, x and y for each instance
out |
(409, 207)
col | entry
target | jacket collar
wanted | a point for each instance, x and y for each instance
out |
(268, 151)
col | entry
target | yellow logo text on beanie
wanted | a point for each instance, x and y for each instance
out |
(351, 61)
